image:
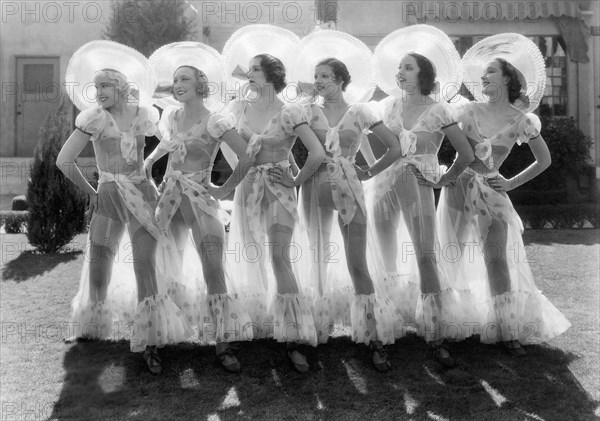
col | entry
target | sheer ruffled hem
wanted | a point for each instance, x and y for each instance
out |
(186, 299)
(404, 291)
(447, 315)
(290, 319)
(255, 305)
(526, 316)
(331, 309)
(372, 319)
(223, 318)
(93, 321)
(158, 322)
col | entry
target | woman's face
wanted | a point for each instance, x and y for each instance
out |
(492, 81)
(256, 75)
(185, 84)
(408, 73)
(325, 82)
(107, 91)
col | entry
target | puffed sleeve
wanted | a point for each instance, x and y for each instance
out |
(439, 117)
(150, 123)
(236, 108)
(308, 109)
(366, 117)
(91, 122)
(219, 123)
(292, 116)
(529, 127)
(390, 109)
(459, 107)
(383, 108)
(165, 127)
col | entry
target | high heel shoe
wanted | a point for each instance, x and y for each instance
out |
(445, 360)
(379, 357)
(227, 359)
(296, 358)
(515, 348)
(152, 360)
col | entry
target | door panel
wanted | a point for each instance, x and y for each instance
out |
(39, 93)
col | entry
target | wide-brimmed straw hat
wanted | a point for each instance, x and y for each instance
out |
(427, 41)
(519, 51)
(351, 51)
(98, 55)
(252, 40)
(168, 58)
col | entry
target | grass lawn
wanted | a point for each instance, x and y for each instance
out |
(44, 378)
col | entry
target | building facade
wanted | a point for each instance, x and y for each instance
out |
(37, 38)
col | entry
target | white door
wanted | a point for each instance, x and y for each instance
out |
(39, 93)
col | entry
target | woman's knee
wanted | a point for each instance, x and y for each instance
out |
(212, 263)
(144, 245)
(384, 226)
(101, 261)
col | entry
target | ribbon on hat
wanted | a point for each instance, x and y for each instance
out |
(523, 101)
(306, 86)
(163, 89)
(240, 73)
(306, 92)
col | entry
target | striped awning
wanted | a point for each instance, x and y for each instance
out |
(491, 10)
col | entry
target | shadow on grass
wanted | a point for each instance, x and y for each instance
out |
(587, 237)
(30, 264)
(105, 381)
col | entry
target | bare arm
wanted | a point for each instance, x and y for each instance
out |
(465, 154)
(543, 160)
(229, 155)
(65, 160)
(389, 157)
(367, 151)
(244, 163)
(316, 153)
(156, 154)
(293, 164)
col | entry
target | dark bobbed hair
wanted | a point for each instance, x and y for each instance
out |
(340, 71)
(426, 75)
(514, 84)
(274, 71)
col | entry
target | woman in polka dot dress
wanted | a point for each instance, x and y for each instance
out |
(404, 210)
(477, 214)
(105, 304)
(336, 188)
(264, 217)
(192, 135)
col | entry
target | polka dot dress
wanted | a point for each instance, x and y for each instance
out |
(129, 200)
(485, 222)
